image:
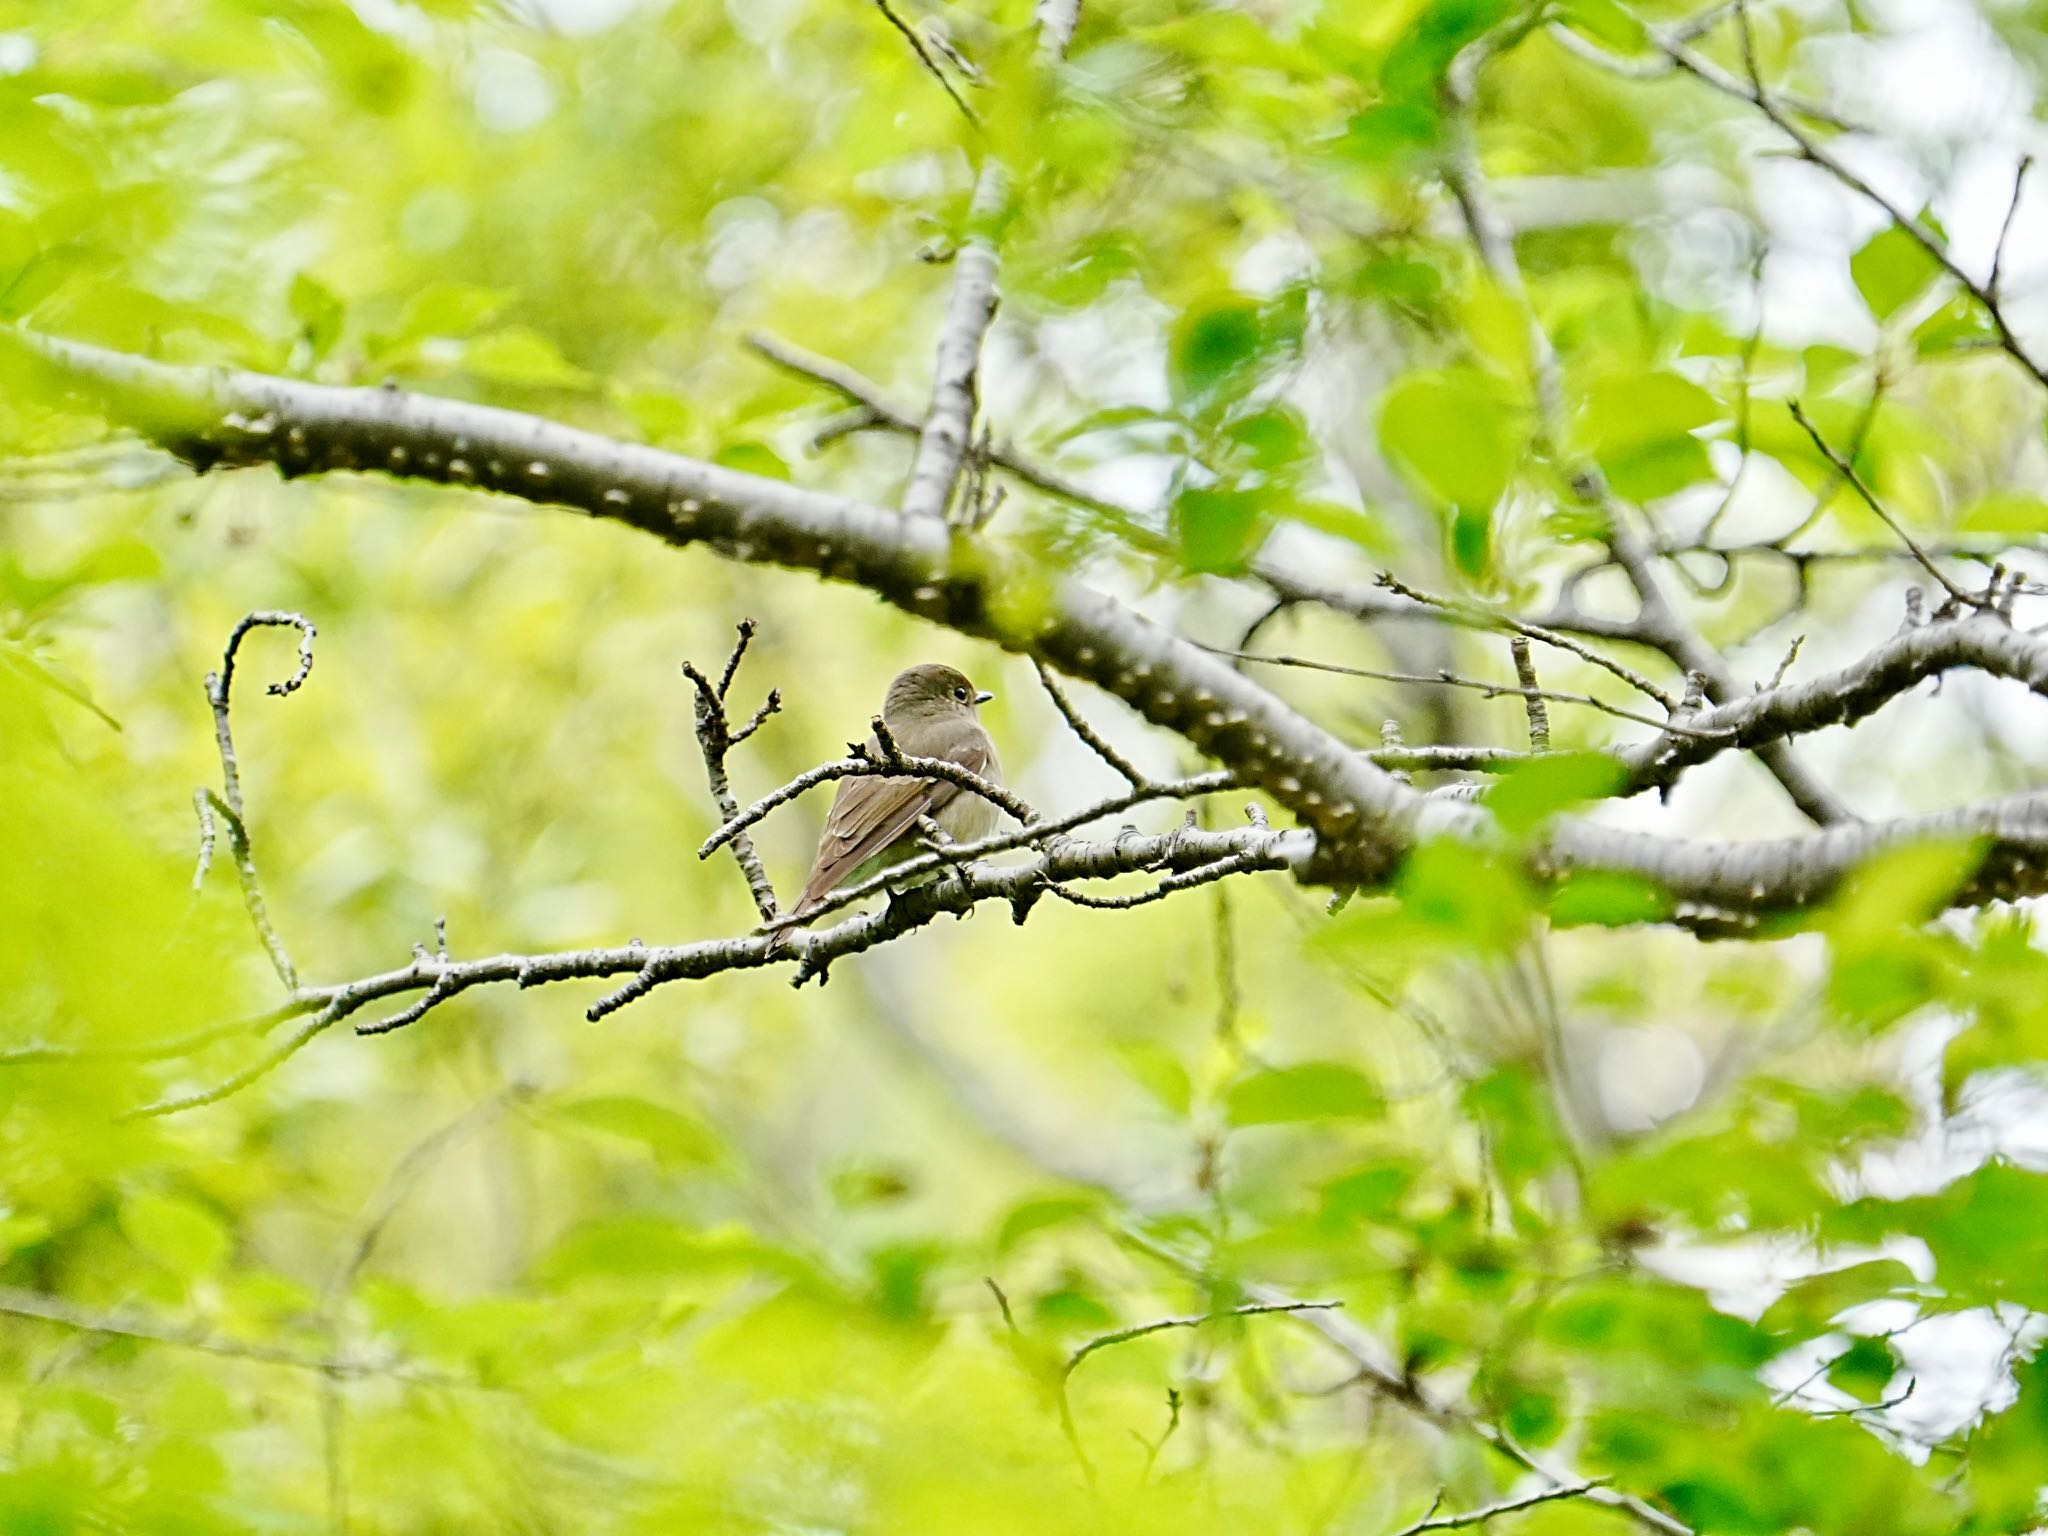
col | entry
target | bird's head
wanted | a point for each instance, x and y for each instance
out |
(929, 691)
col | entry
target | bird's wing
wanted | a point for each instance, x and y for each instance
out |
(869, 813)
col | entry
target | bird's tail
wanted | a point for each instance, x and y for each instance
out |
(780, 939)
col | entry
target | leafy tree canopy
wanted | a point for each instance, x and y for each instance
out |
(1566, 1171)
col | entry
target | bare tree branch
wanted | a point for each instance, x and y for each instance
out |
(1472, 613)
(2012, 209)
(1453, 680)
(228, 804)
(1811, 150)
(889, 762)
(942, 443)
(15, 1302)
(1088, 734)
(1549, 1495)
(1056, 20)
(1377, 1370)
(1673, 56)
(1357, 820)
(1848, 472)
(1532, 694)
(1197, 1320)
(1660, 623)
(716, 737)
(931, 65)
(1983, 642)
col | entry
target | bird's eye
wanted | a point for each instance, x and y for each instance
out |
(960, 694)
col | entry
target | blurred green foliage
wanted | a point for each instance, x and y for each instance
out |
(742, 1260)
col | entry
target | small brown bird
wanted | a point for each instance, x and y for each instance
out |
(930, 711)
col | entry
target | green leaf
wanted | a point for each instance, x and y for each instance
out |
(47, 674)
(675, 1139)
(1606, 898)
(1030, 1216)
(318, 312)
(1218, 528)
(523, 358)
(1370, 1194)
(182, 1235)
(1070, 1309)
(1810, 1306)
(2007, 1454)
(1397, 280)
(1900, 887)
(1159, 1072)
(445, 308)
(1891, 271)
(1639, 427)
(1532, 792)
(1472, 540)
(1274, 441)
(1317, 1090)
(1214, 349)
(1606, 22)
(1864, 1369)
(870, 1183)
(1960, 325)
(1987, 1231)
(1465, 892)
(753, 459)
(1454, 435)
(1392, 131)
(2014, 512)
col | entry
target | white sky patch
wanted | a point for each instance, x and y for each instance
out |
(512, 92)
(1648, 1075)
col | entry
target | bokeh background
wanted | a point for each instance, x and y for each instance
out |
(1751, 1230)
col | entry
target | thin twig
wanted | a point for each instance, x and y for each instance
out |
(1812, 151)
(228, 803)
(1452, 680)
(930, 64)
(884, 414)
(1676, 56)
(1195, 1320)
(402, 1180)
(1532, 694)
(1848, 472)
(1154, 1447)
(1173, 884)
(1002, 1303)
(715, 738)
(1042, 832)
(1084, 730)
(889, 762)
(292, 1044)
(2012, 208)
(1785, 665)
(399, 1184)
(1477, 615)
(15, 1302)
(1452, 1522)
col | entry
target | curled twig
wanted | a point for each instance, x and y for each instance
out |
(228, 803)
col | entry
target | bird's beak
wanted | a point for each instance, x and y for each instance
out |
(983, 697)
